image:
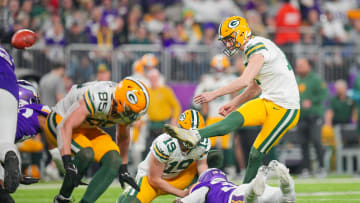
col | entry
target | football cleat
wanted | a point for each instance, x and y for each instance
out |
(23, 38)
(258, 184)
(61, 199)
(12, 172)
(190, 137)
(286, 182)
(5, 197)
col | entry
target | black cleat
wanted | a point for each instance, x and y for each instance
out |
(5, 197)
(12, 172)
(61, 199)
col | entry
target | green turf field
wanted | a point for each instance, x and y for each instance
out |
(335, 189)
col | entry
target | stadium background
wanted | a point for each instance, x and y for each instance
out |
(88, 35)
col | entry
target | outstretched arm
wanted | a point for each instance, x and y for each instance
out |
(254, 66)
(250, 92)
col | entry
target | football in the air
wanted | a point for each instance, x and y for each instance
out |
(23, 38)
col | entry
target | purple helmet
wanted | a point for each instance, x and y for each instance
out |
(28, 93)
(212, 173)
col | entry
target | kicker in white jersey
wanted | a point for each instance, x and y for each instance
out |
(276, 78)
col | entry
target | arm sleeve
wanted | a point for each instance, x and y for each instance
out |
(159, 150)
(198, 195)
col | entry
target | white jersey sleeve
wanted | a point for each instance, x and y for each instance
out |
(256, 46)
(98, 100)
(203, 147)
(160, 150)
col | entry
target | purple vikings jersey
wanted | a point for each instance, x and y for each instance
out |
(7, 75)
(220, 190)
(28, 125)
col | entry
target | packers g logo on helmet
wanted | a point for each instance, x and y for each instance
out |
(234, 28)
(233, 24)
(191, 119)
(131, 98)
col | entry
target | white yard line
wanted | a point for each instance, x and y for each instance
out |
(306, 194)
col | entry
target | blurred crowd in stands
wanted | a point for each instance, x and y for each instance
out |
(113, 23)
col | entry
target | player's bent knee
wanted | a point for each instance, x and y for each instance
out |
(112, 161)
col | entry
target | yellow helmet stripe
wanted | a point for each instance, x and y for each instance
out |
(143, 88)
(195, 119)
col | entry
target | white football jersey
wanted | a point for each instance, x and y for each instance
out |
(167, 150)
(212, 82)
(276, 78)
(98, 97)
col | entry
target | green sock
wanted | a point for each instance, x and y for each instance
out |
(255, 161)
(229, 157)
(215, 158)
(110, 164)
(233, 121)
(128, 199)
(82, 161)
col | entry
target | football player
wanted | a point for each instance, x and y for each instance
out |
(218, 77)
(267, 72)
(9, 94)
(213, 187)
(30, 121)
(170, 166)
(73, 126)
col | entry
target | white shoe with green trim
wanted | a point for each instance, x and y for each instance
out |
(189, 137)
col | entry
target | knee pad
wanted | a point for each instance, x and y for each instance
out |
(112, 161)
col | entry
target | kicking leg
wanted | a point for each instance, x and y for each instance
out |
(223, 127)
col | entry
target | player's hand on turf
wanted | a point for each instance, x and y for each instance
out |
(124, 177)
(204, 97)
(26, 180)
(225, 109)
(71, 170)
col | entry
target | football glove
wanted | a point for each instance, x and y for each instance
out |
(71, 170)
(124, 177)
